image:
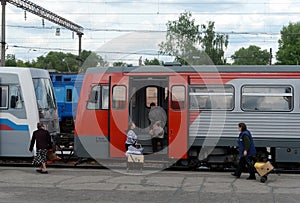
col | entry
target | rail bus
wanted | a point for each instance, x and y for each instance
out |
(203, 104)
(26, 98)
(66, 89)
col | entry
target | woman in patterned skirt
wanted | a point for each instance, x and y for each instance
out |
(43, 143)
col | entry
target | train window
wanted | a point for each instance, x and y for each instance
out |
(98, 98)
(16, 100)
(44, 93)
(105, 97)
(212, 97)
(178, 97)
(4, 97)
(119, 97)
(151, 96)
(69, 95)
(94, 98)
(264, 98)
(58, 78)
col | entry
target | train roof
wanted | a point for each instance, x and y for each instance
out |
(193, 69)
(35, 72)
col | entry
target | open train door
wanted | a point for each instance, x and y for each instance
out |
(178, 114)
(118, 114)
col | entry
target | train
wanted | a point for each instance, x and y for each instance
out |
(67, 87)
(203, 104)
(27, 97)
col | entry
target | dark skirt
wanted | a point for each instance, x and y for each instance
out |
(41, 157)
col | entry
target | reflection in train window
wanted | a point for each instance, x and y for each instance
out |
(178, 97)
(267, 98)
(119, 97)
(212, 97)
(16, 100)
(98, 98)
(151, 96)
(3, 97)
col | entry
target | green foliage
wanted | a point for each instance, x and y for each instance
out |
(10, 60)
(154, 61)
(184, 37)
(119, 64)
(289, 45)
(253, 55)
(62, 62)
(214, 44)
(91, 59)
(59, 61)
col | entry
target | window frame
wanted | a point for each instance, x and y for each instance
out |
(99, 104)
(183, 106)
(114, 102)
(264, 94)
(6, 88)
(69, 95)
(208, 95)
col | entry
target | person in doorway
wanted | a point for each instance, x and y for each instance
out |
(43, 142)
(158, 119)
(131, 139)
(157, 134)
(157, 113)
(247, 152)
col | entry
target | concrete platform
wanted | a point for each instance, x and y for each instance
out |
(101, 185)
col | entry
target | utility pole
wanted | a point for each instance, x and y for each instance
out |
(3, 3)
(39, 11)
(271, 56)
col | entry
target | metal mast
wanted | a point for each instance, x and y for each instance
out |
(39, 11)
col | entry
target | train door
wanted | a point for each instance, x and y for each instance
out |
(118, 114)
(143, 91)
(178, 114)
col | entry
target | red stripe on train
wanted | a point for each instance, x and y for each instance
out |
(5, 127)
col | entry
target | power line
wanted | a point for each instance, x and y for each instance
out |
(147, 31)
(173, 2)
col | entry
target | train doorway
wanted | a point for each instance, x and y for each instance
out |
(144, 90)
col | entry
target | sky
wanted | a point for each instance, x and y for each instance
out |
(125, 30)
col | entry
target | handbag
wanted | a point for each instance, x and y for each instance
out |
(51, 155)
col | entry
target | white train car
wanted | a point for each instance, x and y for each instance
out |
(26, 98)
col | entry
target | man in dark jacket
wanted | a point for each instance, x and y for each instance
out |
(43, 144)
(247, 152)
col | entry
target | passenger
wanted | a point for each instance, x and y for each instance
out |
(43, 143)
(247, 152)
(158, 119)
(157, 113)
(157, 133)
(131, 136)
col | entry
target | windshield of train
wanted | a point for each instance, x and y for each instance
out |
(44, 93)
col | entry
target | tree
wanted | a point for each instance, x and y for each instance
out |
(289, 45)
(119, 64)
(10, 60)
(91, 59)
(214, 44)
(63, 62)
(184, 37)
(253, 55)
(154, 61)
(67, 62)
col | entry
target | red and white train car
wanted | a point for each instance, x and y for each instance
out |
(203, 105)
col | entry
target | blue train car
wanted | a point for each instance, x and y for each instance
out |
(67, 88)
